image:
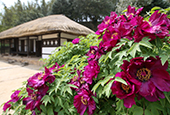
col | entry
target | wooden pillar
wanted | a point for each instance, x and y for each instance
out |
(10, 46)
(59, 38)
(28, 46)
(17, 45)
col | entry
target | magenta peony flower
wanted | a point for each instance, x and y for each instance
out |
(151, 74)
(36, 80)
(48, 77)
(132, 11)
(78, 81)
(84, 100)
(7, 105)
(91, 71)
(139, 25)
(126, 92)
(14, 98)
(94, 53)
(76, 41)
(33, 101)
(158, 25)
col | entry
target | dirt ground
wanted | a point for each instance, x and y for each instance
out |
(12, 76)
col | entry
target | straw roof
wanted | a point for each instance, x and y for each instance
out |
(45, 25)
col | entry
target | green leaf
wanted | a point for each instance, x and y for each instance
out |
(61, 112)
(106, 79)
(145, 42)
(95, 99)
(71, 85)
(120, 80)
(147, 112)
(46, 99)
(138, 111)
(50, 111)
(155, 8)
(164, 58)
(133, 49)
(96, 86)
(43, 108)
(107, 89)
(60, 102)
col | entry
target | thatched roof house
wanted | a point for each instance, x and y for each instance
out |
(50, 31)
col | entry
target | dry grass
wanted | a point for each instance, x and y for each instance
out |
(45, 25)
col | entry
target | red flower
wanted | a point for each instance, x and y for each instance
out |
(91, 71)
(126, 92)
(151, 74)
(84, 100)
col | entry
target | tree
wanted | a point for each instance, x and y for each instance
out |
(84, 11)
(147, 4)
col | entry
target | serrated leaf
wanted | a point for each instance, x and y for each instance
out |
(120, 80)
(68, 89)
(71, 85)
(106, 79)
(145, 42)
(107, 89)
(46, 99)
(60, 103)
(132, 51)
(164, 58)
(96, 86)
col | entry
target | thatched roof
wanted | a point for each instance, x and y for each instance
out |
(45, 25)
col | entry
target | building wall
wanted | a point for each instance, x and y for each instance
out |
(48, 50)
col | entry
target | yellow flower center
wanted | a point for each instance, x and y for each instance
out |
(125, 87)
(34, 97)
(150, 23)
(75, 78)
(84, 101)
(143, 74)
(113, 35)
(92, 51)
(107, 21)
(40, 77)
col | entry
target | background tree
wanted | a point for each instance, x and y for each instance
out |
(86, 12)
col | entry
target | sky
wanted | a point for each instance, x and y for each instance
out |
(9, 3)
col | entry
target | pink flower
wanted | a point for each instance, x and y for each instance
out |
(84, 100)
(126, 92)
(158, 25)
(151, 74)
(78, 81)
(36, 80)
(7, 105)
(34, 99)
(14, 98)
(76, 41)
(91, 71)
(94, 53)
